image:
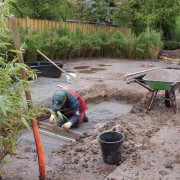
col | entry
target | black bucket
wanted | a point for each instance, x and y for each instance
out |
(110, 143)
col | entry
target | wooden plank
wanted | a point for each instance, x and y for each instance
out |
(54, 25)
(43, 117)
(35, 24)
(127, 75)
(59, 130)
(31, 25)
(56, 136)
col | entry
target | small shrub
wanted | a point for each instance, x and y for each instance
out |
(77, 39)
(149, 44)
(64, 46)
(129, 45)
(91, 45)
(63, 31)
(30, 42)
(171, 45)
(116, 45)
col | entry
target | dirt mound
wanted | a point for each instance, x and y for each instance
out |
(170, 54)
(84, 159)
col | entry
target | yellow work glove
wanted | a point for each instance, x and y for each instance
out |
(52, 119)
(67, 125)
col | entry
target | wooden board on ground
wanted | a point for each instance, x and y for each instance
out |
(58, 130)
(54, 135)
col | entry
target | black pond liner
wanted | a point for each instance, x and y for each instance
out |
(46, 69)
(110, 143)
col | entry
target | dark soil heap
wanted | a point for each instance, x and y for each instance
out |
(170, 54)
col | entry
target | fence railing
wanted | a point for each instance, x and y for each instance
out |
(40, 25)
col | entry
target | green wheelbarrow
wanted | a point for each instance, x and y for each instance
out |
(150, 82)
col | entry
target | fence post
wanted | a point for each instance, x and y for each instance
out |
(27, 24)
(15, 34)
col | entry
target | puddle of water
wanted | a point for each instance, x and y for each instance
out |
(82, 67)
(70, 71)
(98, 69)
(92, 70)
(86, 71)
(104, 65)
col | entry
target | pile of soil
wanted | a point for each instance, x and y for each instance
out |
(170, 54)
(166, 75)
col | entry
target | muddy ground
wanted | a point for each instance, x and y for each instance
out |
(151, 148)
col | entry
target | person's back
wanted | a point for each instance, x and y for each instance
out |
(69, 107)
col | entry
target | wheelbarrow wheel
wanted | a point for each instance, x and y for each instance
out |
(167, 99)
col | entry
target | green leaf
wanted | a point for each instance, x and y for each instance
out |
(60, 114)
(21, 66)
(13, 142)
(15, 51)
(25, 123)
(5, 44)
(2, 105)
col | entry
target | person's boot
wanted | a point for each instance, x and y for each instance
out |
(85, 118)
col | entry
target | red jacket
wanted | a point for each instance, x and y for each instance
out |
(83, 106)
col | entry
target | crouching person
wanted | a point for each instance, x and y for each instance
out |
(69, 109)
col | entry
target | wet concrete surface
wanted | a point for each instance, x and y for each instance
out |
(104, 111)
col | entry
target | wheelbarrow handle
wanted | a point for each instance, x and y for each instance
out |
(131, 81)
(175, 86)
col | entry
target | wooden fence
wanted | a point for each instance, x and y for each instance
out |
(40, 25)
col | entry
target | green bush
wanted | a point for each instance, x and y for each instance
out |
(6, 45)
(105, 43)
(48, 43)
(63, 31)
(129, 46)
(116, 45)
(171, 45)
(90, 45)
(77, 38)
(63, 43)
(149, 44)
(55, 44)
(30, 42)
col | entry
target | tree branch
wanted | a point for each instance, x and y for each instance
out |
(21, 14)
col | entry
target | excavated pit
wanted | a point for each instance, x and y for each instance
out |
(150, 149)
(100, 112)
